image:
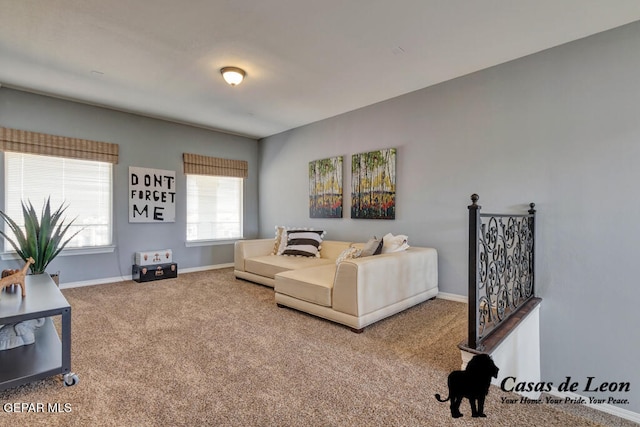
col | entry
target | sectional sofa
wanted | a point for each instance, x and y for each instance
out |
(355, 292)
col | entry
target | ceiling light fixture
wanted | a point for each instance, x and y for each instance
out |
(233, 75)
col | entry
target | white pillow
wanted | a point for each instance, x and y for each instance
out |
(393, 243)
(349, 253)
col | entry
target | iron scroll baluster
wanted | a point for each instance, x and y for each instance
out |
(501, 268)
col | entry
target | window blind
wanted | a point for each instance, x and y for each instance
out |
(84, 186)
(214, 197)
(197, 164)
(214, 207)
(21, 141)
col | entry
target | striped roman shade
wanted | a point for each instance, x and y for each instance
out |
(22, 141)
(204, 165)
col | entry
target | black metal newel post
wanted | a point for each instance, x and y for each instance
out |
(532, 225)
(474, 220)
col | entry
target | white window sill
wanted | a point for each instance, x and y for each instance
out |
(67, 252)
(197, 243)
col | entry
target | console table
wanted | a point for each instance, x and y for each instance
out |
(50, 354)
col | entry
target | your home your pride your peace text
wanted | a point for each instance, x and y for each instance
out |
(511, 384)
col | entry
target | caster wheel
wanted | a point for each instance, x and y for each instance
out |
(71, 379)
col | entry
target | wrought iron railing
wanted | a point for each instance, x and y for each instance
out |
(501, 268)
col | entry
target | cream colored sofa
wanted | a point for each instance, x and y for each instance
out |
(356, 292)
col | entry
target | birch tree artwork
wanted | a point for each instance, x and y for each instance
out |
(325, 188)
(373, 184)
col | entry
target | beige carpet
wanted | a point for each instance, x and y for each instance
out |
(209, 350)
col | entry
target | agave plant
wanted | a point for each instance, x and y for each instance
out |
(42, 238)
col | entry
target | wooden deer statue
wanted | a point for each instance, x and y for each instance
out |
(17, 278)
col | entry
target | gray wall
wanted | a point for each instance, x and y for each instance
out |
(143, 142)
(559, 128)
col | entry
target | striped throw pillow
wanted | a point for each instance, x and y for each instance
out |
(303, 243)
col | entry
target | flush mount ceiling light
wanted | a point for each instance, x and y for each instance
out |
(233, 75)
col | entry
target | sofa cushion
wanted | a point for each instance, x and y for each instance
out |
(270, 265)
(333, 248)
(314, 284)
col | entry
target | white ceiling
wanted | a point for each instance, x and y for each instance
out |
(306, 60)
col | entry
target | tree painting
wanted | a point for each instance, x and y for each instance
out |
(373, 184)
(325, 188)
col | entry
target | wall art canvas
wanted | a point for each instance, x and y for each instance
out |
(373, 184)
(325, 188)
(152, 195)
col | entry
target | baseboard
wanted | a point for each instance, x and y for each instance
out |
(604, 407)
(126, 278)
(94, 282)
(452, 297)
(206, 267)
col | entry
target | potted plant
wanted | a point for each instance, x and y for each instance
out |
(43, 236)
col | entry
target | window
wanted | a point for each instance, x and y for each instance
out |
(84, 186)
(214, 197)
(214, 207)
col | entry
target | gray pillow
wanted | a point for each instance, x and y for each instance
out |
(372, 247)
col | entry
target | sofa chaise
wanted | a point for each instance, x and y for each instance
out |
(354, 292)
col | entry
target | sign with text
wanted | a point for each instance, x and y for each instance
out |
(152, 195)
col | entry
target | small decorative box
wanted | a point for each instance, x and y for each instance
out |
(161, 256)
(148, 273)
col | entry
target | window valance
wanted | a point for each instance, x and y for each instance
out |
(205, 165)
(22, 141)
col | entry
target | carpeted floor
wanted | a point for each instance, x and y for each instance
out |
(209, 350)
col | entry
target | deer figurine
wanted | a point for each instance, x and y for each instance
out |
(17, 278)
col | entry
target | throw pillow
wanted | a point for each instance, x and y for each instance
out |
(349, 253)
(303, 243)
(372, 247)
(394, 243)
(281, 240)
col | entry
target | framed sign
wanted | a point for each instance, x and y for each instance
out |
(152, 195)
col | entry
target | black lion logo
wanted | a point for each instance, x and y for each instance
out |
(472, 383)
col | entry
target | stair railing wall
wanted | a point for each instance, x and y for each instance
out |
(501, 268)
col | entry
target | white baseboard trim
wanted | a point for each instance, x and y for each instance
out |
(604, 407)
(207, 267)
(94, 282)
(127, 278)
(453, 297)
